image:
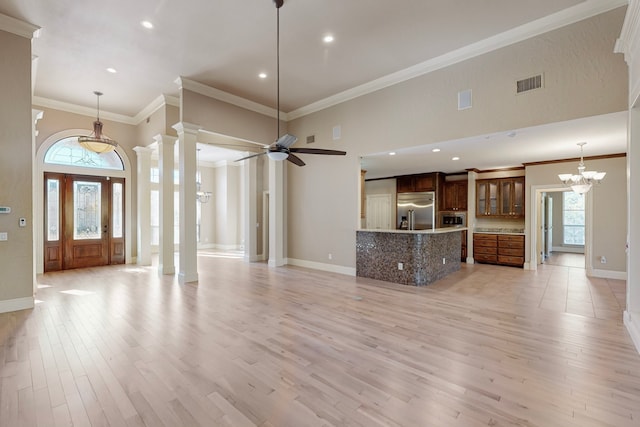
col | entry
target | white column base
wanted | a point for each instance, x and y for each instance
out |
(16, 304)
(631, 320)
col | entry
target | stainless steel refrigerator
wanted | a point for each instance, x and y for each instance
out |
(416, 211)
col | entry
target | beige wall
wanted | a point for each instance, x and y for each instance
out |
(226, 119)
(158, 123)
(576, 60)
(16, 254)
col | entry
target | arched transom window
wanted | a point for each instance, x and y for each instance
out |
(67, 152)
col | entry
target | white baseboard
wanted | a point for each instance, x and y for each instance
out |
(568, 249)
(608, 274)
(349, 271)
(631, 322)
(16, 304)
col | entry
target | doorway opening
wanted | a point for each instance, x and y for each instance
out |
(560, 228)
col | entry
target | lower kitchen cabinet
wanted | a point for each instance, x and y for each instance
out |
(485, 248)
(501, 249)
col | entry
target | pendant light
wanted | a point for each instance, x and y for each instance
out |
(201, 196)
(96, 142)
(584, 180)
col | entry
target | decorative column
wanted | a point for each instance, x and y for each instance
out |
(276, 213)
(187, 138)
(250, 209)
(471, 212)
(166, 262)
(144, 205)
(629, 44)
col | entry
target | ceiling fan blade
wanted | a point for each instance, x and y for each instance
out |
(295, 160)
(248, 157)
(318, 151)
(286, 140)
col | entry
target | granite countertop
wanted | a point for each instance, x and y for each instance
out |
(429, 231)
(499, 230)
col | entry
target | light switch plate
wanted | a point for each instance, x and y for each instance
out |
(4, 236)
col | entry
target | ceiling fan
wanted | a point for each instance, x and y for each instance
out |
(281, 149)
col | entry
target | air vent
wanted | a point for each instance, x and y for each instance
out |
(311, 139)
(531, 83)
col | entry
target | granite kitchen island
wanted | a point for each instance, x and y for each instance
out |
(415, 257)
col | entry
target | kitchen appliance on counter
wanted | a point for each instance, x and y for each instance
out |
(453, 219)
(416, 211)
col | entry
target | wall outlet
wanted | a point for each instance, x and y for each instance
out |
(400, 266)
(330, 256)
(4, 236)
(603, 260)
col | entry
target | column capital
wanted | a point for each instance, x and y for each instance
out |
(186, 128)
(165, 139)
(141, 151)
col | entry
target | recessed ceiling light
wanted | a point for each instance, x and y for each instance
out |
(112, 70)
(262, 75)
(436, 150)
(328, 38)
(455, 158)
(147, 24)
(393, 153)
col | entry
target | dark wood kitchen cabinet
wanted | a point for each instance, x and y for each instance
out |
(487, 197)
(501, 249)
(417, 183)
(512, 197)
(500, 197)
(454, 196)
(485, 248)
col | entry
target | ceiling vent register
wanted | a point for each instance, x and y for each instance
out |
(528, 84)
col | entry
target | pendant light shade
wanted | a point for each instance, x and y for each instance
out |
(96, 142)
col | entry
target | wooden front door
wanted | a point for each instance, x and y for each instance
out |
(84, 221)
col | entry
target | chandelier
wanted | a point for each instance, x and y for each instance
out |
(96, 142)
(201, 196)
(583, 181)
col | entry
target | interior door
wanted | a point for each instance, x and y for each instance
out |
(84, 221)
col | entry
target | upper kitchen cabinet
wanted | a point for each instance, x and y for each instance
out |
(487, 197)
(501, 197)
(512, 197)
(454, 196)
(415, 183)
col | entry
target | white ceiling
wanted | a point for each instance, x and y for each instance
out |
(225, 44)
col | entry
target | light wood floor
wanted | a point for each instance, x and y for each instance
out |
(258, 346)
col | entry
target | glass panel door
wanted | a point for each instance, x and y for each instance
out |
(87, 210)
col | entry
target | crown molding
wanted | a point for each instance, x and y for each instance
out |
(220, 95)
(155, 105)
(18, 27)
(552, 22)
(78, 109)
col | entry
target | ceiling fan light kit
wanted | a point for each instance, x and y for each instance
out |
(97, 142)
(281, 149)
(584, 180)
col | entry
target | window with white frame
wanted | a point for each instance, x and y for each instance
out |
(573, 218)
